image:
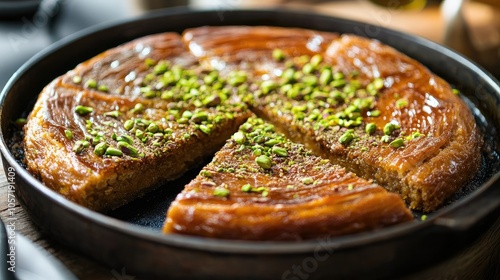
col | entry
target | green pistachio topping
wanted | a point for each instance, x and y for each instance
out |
(91, 83)
(397, 143)
(114, 114)
(455, 91)
(239, 137)
(282, 152)
(199, 117)
(374, 113)
(246, 188)
(103, 88)
(415, 135)
(83, 110)
(111, 151)
(346, 138)
(370, 128)
(389, 128)
(264, 161)
(126, 148)
(76, 79)
(221, 192)
(400, 103)
(124, 138)
(307, 180)
(69, 134)
(79, 146)
(385, 138)
(139, 134)
(152, 127)
(267, 86)
(326, 76)
(205, 129)
(278, 55)
(138, 108)
(128, 124)
(100, 148)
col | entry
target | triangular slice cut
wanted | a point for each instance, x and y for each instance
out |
(104, 148)
(261, 186)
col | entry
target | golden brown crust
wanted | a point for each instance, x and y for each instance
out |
(164, 144)
(427, 170)
(300, 196)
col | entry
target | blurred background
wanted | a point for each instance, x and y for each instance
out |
(471, 27)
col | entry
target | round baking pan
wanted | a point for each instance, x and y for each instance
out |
(131, 238)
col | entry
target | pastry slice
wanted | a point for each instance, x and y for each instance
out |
(103, 150)
(261, 186)
(383, 116)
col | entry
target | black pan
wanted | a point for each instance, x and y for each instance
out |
(130, 237)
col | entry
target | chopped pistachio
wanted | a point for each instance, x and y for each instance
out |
(187, 114)
(69, 134)
(385, 139)
(76, 79)
(78, 147)
(374, 113)
(111, 151)
(114, 114)
(370, 128)
(346, 138)
(397, 143)
(400, 103)
(205, 129)
(100, 148)
(83, 110)
(152, 127)
(282, 152)
(91, 83)
(139, 134)
(378, 83)
(124, 138)
(307, 180)
(271, 142)
(239, 137)
(199, 117)
(308, 68)
(415, 135)
(127, 148)
(338, 83)
(246, 188)
(103, 88)
(278, 55)
(288, 75)
(326, 76)
(128, 124)
(138, 108)
(264, 161)
(221, 192)
(456, 91)
(316, 60)
(389, 128)
(268, 86)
